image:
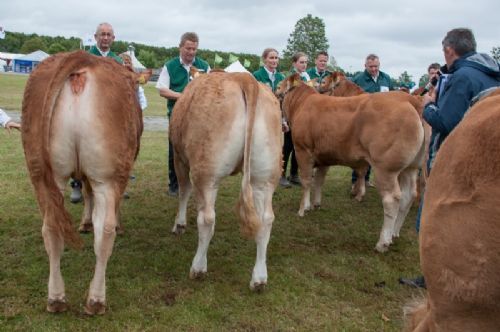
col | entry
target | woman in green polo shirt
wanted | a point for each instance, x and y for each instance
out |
(268, 74)
(299, 65)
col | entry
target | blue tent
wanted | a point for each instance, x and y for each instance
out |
(28, 62)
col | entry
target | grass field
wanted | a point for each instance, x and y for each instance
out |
(323, 272)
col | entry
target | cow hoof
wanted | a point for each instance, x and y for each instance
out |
(57, 305)
(317, 206)
(258, 287)
(93, 307)
(86, 228)
(358, 198)
(301, 213)
(382, 247)
(197, 275)
(179, 229)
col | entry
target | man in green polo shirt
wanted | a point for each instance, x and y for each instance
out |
(173, 79)
(104, 37)
(319, 71)
(372, 80)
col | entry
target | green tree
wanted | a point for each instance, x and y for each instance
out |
(308, 37)
(33, 44)
(148, 59)
(56, 48)
(495, 53)
(405, 80)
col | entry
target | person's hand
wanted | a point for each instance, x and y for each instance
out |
(430, 97)
(12, 124)
(284, 127)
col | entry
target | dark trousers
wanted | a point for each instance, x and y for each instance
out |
(287, 150)
(354, 176)
(172, 177)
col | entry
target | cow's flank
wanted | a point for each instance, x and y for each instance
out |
(460, 230)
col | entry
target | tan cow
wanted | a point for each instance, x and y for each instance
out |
(81, 118)
(222, 124)
(460, 231)
(382, 129)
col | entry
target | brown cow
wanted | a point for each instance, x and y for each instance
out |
(222, 124)
(460, 231)
(336, 84)
(381, 129)
(81, 118)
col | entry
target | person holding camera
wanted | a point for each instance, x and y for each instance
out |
(465, 75)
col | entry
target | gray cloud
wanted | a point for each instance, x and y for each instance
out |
(406, 35)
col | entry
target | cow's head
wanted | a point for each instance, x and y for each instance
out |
(330, 82)
(195, 72)
(288, 84)
(144, 76)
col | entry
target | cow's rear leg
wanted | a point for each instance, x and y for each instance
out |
(318, 180)
(185, 189)
(88, 204)
(408, 185)
(388, 188)
(305, 172)
(206, 195)
(104, 220)
(54, 245)
(263, 203)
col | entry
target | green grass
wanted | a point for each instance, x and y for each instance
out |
(322, 268)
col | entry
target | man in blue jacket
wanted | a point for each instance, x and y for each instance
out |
(467, 73)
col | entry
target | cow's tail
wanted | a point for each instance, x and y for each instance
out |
(416, 316)
(55, 214)
(250, 221)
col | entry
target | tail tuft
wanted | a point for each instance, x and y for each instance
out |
(416, 315)
(250, 221)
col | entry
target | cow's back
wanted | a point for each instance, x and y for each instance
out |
(208, 123)
(460, 232)
(348, 130)
(91, 118)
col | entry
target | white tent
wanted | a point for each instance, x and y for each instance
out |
(3, 64)
(28, 62)
(236, 67)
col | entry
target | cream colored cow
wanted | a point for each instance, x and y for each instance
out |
(222, 124)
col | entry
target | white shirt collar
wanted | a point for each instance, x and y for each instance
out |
(270, 73)
(104, 54)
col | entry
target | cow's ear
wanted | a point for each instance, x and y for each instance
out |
(295, 80)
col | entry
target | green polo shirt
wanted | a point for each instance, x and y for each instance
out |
(179, 77)
(261, 75)
(313, 73)
(366, 82)
(95, 51)
(294, 71)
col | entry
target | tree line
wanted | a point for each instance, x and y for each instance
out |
(308, 36)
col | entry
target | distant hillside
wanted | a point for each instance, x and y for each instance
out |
(150, 56)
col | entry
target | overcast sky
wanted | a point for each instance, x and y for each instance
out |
(405, 34)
